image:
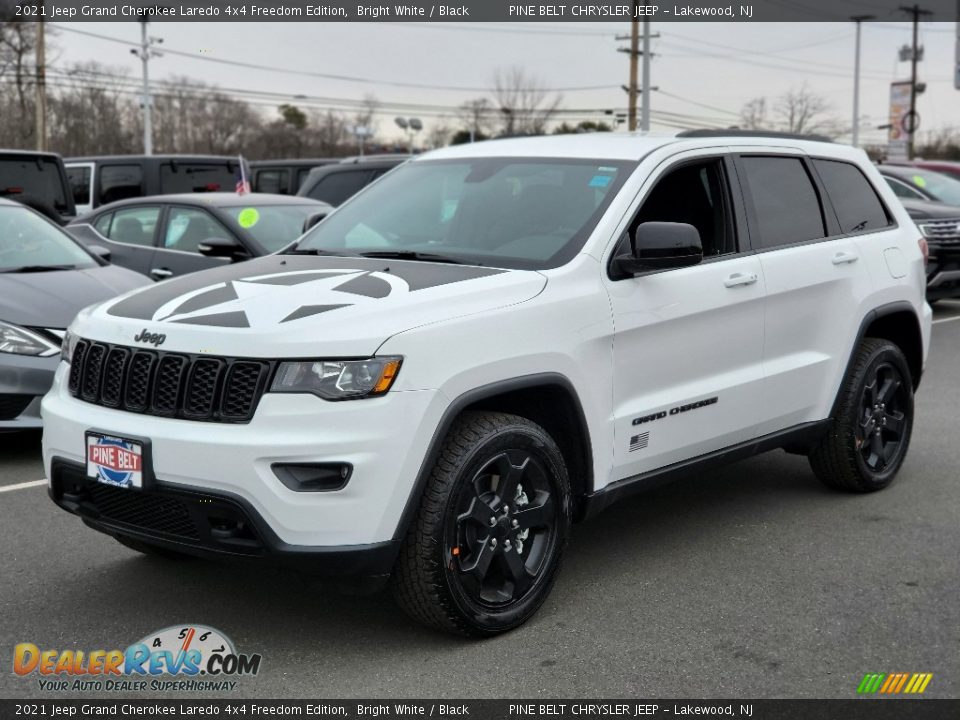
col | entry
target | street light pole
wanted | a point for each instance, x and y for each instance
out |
(856, 80)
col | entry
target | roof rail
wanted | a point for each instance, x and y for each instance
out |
(751, 133)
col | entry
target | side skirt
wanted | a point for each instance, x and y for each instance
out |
(799, 438)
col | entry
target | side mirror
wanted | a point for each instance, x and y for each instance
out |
(660, 246)
(100, 251)
(314, 219)
(221, 247)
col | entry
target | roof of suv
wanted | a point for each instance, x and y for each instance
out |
(161, 158)
(633, 146)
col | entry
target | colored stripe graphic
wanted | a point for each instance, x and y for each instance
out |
(894, 683)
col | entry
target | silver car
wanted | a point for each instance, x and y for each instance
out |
(46, 277)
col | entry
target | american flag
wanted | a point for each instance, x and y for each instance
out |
(243, 178)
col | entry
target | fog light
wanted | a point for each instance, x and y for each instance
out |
(313, 477)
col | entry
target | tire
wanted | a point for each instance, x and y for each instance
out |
(152, 550)
(870, 431)
(485, 546)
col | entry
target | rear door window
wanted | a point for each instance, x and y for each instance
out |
(786, 205)
(118, 182)
(189, 177)
(134, 226)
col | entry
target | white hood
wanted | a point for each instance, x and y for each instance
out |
(284, 306)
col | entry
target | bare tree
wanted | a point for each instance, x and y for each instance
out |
(753, 115)
(477, 116)
(523, 102)
(802, 111)
(439, 134)
(17, 44)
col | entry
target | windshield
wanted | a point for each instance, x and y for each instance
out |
(524, 213)
(273, 226)
(940, 187)
(36, 178)
(30, 242)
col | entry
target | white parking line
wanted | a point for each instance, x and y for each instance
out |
(949, 319)
(22, 486)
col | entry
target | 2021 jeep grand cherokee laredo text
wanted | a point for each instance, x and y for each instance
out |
(491, 342)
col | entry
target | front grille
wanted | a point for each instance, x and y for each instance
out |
(192, 387)
(944, 232)
(147, 512)
(12, 405)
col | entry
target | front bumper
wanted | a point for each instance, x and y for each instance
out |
(384, 439)
(943, 272)
(196, 522)
(24, 380)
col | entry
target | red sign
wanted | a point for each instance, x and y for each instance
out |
(115, 458)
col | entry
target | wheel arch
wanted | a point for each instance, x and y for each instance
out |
(548, 399)
(898, 323)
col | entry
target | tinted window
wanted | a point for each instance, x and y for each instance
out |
(26, 178)
(338, 186)
(185, 177)
(271, 181)
(784, 199)
(301, 176)
(188, 227)
(506, 212)
(695, 194)
(857, 205)
(135, 226)
(27, 240)
(118, 182)
(79, 178)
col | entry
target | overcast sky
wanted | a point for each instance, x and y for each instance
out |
(717, 65)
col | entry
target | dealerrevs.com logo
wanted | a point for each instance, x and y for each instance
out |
(185, 657)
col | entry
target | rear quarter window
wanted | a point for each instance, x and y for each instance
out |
(858, 206)
(38, 179)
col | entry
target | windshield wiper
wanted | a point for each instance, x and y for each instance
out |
(414, 255)
(37, 268)
(319, 251)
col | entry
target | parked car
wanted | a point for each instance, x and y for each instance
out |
(336, 183)
(912, 183)
(46, 277)
(940, 225)
(283, 177)
(99, 180)
(491, 342)
(37, 180)
(167, 235)
(946, 167)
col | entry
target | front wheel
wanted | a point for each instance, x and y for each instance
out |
(485, 546)
(870, 431)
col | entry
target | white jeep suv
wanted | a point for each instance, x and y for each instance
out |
(490, 343)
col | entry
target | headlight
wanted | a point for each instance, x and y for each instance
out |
(68, 346)
(337, 379)
(20, 341)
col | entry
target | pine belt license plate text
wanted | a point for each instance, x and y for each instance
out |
(115, 461)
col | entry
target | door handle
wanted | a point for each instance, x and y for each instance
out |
(739, 278)
(160, 273)
(844, 257)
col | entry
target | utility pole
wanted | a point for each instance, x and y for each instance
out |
(145, 53)
(41, 102)
(634, 89)
(856, 80)
(915, 12)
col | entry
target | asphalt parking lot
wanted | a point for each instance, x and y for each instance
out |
(751, 581)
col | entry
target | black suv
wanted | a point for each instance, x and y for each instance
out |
(334, 184)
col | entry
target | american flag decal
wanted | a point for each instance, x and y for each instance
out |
(639, 442)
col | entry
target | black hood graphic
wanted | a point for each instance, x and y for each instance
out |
(297, 286)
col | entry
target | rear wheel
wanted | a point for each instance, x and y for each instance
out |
(870, 431)
(485, 547)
